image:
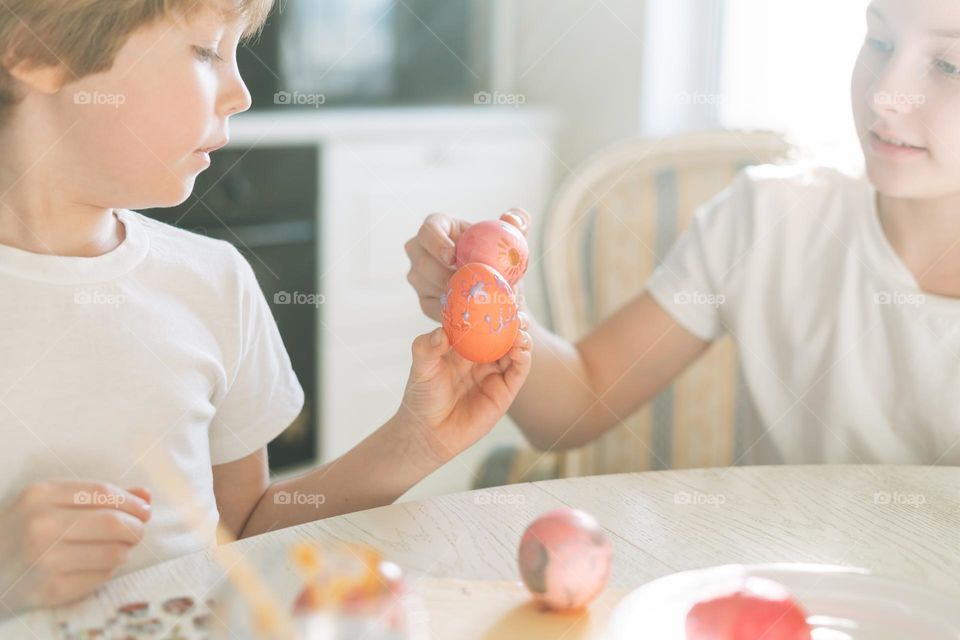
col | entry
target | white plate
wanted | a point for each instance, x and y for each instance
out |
(842, 603)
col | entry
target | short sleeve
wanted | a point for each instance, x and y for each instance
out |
(693, 283)
(263, 395)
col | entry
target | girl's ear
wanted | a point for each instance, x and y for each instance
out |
(44, 78)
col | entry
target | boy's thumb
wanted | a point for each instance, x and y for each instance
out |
(428, 349)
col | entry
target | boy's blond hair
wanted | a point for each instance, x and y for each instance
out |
(84, 36)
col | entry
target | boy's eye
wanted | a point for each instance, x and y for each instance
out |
(879, 45)
(205, 54)
(948, 68)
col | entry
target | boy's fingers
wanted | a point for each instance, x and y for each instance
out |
(71, 586)
(143, 493)
(99, 495)
(102, 525)
(428, 349)
(524, 321)
(91, 556)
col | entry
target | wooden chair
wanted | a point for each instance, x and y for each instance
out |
(610, 224)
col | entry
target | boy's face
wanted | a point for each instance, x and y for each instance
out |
(140, 124)
(906, 89)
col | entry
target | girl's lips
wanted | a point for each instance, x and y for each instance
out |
(895, 151)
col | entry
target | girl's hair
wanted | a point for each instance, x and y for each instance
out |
(84, 36)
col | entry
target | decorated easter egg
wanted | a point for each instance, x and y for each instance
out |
(497, 243)
(759, 608)
(479, 313)
(565, 558)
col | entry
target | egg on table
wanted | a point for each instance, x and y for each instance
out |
(565, 559)
(479, 313)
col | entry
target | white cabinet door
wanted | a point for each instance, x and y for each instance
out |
(376, 194)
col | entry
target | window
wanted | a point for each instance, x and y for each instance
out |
(786, 66)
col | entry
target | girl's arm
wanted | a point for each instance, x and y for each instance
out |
(576, 392)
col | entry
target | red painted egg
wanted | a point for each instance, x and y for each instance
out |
(760, 608)
(479, 313)
(565, 558)
(496, 243)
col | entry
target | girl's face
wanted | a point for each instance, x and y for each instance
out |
(906, 97)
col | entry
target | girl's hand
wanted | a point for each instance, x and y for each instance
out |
(450, 403)
(432, 256)
(62, 540)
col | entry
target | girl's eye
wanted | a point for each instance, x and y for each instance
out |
(879, 45)
(205, 54)
(948, 68)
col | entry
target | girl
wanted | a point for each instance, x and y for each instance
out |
(840, 292)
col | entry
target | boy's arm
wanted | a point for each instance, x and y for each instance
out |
(376, 472)
(576, 392)
(448, 405)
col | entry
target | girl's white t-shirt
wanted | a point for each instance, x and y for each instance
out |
(842, 357)
(163, 346)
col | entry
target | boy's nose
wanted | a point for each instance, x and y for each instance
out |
(236, 97)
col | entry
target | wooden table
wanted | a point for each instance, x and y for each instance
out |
(902, 522)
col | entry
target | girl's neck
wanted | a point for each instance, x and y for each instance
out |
(926, 236)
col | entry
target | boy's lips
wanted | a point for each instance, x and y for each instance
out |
(209, 150)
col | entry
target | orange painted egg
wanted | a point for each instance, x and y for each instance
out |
(496, 243)
(479, 313)
(565, 559)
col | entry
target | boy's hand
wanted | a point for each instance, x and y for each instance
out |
(62, 540)
(432, 256)
(450, 403)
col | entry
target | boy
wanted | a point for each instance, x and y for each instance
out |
(123, 338)
(841, 293)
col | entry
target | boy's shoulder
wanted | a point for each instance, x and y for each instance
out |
(180, 252)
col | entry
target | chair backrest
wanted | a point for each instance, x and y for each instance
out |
(610, 224)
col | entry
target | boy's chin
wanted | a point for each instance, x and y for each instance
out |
(170, 194)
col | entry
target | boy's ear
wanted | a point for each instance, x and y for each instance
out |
(44, 78)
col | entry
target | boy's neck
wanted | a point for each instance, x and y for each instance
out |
(79, 232)
(926, 236)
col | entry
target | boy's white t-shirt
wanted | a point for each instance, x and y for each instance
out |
(163, 346)
(843, 359)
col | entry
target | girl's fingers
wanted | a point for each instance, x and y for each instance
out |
(428, 350)
(520, 218)
(524, 321)
(436, 236)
